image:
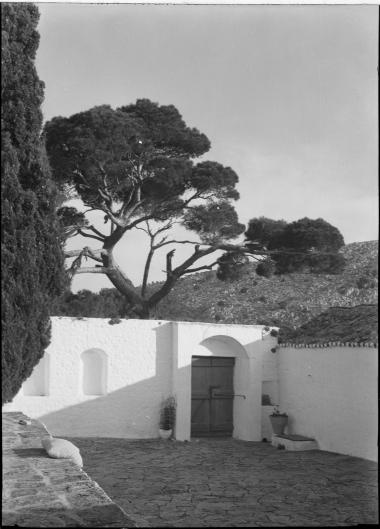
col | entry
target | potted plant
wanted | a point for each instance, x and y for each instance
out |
(278, 420)
(167, 418)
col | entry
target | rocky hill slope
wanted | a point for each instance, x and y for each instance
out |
(289, 300)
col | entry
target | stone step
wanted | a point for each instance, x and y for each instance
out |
(294, 442)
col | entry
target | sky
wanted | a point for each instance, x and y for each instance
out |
(287, 96)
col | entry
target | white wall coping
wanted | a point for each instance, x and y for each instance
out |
(197, 323)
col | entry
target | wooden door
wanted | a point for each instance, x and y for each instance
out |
(212, 396)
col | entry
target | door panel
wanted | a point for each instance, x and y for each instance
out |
(221, 415)
(212, 396)
(200, 415)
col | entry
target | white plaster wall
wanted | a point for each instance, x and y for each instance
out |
(330, 394)
(266, 427)
(138, 377)
(270, 371)
(145, 362)
(187, 341)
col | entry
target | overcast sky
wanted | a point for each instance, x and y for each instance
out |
(286, 94)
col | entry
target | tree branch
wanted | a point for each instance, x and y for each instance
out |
(106, 208)
(124, 207)
(80, 232)
(116, 220)
(146, 271)
(142, 229)
(127, 215)
(193, 197)
(172, 276)
(205, 267)
(91, 270)
(105, 196)
(72, 253)
(169, 258)
(104, 193)
(85, 252)
(94, 230)
(148, 262)
(138, 221)
(172, 241)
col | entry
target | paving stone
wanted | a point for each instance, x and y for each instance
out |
(39, 491)
(229, 483)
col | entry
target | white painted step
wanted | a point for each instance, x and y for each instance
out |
(294, 442)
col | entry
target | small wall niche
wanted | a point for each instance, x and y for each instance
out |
(94, 372)
(269, 393)
(38, 383)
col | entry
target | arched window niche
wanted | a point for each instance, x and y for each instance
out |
(94, 372)
(38, 383)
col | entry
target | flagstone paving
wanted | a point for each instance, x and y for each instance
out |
(231, 483)
(42, 492)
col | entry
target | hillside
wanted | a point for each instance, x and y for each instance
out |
(288, 301)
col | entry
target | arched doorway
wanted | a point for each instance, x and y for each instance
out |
(218, 387)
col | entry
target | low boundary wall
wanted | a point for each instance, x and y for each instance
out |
(99, 378)
(331, 394)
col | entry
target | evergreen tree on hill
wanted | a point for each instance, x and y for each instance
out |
(32, 259)
(136, 166)
(305, 245)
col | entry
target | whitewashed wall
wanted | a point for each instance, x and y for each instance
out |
(330, 394)
(137, 378)
(142, 362)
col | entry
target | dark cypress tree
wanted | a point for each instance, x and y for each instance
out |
(32, 260)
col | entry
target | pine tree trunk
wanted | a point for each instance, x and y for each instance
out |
(121, 282)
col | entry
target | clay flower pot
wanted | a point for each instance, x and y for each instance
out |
(164, 434)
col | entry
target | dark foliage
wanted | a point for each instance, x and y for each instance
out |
(266, 268)
(101, 148)
(135, 164)
(305, 245)
(32, 260)
(231, 266)
(168, 414)
(108, 303)
(264, 230)
(214, 223)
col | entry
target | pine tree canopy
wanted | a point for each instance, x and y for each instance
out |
(137, 165)
(302, 245)
(139, 158)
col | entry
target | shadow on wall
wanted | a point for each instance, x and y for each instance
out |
(131, 408)
(130, 412)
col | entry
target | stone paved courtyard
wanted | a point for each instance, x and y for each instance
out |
(230, 483)
(39, 491)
